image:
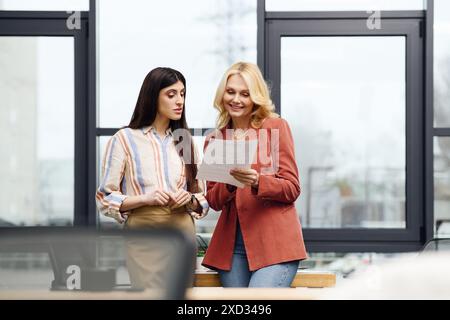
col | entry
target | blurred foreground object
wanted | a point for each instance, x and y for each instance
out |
(47, 259)
(418, 276)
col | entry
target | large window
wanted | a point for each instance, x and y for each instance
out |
(441, 118)
(352, 96)
(37, 90)
(347, 113)
(442, 185)
(43, 88)
(200, 40)
(442, 64)
(353, 91)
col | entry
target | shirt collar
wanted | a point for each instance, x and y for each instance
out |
(147, 129)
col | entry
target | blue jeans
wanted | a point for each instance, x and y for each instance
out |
(274, 276)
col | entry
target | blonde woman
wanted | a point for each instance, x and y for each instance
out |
(258, 239)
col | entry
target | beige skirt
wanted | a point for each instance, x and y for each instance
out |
(155, 216)
(147, 261)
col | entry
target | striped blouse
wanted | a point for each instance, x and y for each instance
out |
(136, 162)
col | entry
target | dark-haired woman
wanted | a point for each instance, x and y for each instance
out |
(149, 167)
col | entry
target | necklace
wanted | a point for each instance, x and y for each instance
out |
(239, 133)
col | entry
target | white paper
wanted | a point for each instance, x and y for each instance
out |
(223, 155)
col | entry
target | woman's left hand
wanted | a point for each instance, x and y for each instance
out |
(249, 177)
(179, 198)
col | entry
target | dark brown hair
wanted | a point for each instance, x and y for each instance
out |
(147, 107)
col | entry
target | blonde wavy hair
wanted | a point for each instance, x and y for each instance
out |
(259, 94)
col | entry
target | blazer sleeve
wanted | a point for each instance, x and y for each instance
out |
(218, 194)
(284, 185)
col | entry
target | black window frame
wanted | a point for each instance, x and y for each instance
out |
(419, 195)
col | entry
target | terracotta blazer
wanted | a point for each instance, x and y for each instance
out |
(269, 222)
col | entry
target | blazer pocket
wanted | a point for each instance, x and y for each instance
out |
(280, 207)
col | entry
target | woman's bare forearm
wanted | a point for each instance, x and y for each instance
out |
(132, 202)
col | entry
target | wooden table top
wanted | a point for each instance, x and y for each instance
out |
(304, 278)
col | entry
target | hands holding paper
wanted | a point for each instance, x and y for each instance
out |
(229, 162)
(248, 177)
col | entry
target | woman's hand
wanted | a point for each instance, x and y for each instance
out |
(249, 177)
(179, 198)
(158, 197)
(196, 215)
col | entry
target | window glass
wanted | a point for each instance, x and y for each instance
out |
(200, 40)
(37, 119)
(44, 5)
(343, 5)
(442, 63)
(442, 186)
(347, 115)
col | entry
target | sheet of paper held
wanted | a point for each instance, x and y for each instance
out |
(222, 155)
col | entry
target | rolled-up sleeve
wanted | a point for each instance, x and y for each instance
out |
(200, 196)
(109, 196)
